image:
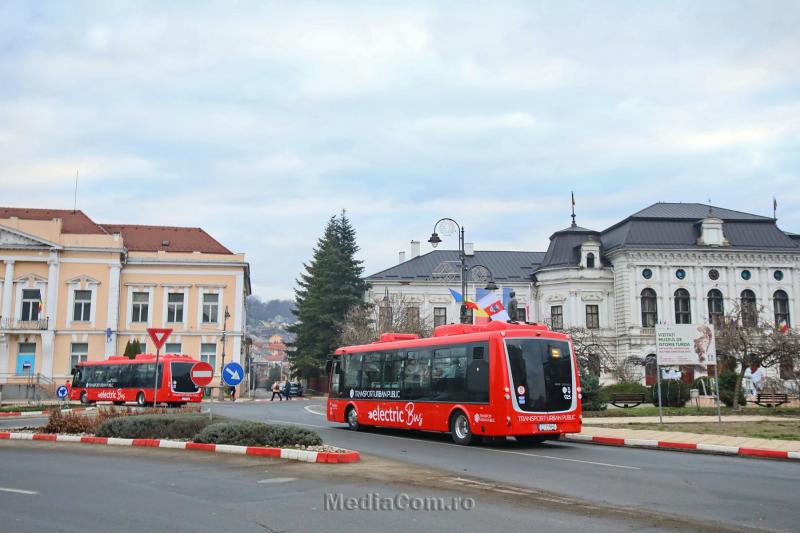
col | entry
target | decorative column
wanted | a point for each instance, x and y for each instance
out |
(765, 298)
(6, 313)
(701, 310)
(48, 337)
(112, 322)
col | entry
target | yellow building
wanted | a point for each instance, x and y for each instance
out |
(74, 290)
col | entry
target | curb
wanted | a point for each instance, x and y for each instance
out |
(277, 453)
(23, 414)
(684, 446)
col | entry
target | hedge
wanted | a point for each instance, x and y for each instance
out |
(592, 393)
(674, 393)
(727, 383)
(257, 434)
(182, 426)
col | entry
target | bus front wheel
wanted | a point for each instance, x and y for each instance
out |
(352, 419)
(459, 429)
(140, 401)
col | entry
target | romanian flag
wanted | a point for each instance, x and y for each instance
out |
(783, 327)
(469, 303)
(40, 307)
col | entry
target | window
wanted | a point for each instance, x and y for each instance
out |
(649, 308)
(716, 307)
(780, 301)
(141, 301)
(680, 273)
(778, 275)
(392, 371)
(557, 317)
(412, 318)
(175, 307)
(83, 306)
(352, 372)
(31, 303)
(593, 317)
(79, 353)
(173, 347)
(208, 354)
(371, 371)
(521, 316)
(746, 275)
(449, 372)
(439, 316)
(749, 311)
(647, 273)
(417, 375)
(590, 260)
(683, 312)
(210, 308)
(713, 274)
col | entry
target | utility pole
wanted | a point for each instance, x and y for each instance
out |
(225, 318)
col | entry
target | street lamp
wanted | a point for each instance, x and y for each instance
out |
(226, 316)
(447, 229)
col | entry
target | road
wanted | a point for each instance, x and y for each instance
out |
(726, 490)
(65, 487)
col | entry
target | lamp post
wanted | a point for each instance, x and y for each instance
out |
(225, 318)
(462, 256)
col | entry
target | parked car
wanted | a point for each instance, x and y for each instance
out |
(295, 389)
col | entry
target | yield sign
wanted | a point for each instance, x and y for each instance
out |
(202, 374)
(159, 336)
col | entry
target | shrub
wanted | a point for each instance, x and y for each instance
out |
(703, 385)
(181, 426)
(69, 423)
(727, 384)
(592, 392)
(257, 434)
(673, 393)
(626, 387)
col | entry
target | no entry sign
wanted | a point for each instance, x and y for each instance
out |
(202, 374)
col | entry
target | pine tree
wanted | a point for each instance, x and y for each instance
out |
(330, 286)
(131, 349)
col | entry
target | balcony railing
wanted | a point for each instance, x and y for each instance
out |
(13, 324)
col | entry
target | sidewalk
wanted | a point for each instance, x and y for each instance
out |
(676, 440)
(599, 421)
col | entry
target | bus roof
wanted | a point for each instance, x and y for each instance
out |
(141, 358)
(455, 333)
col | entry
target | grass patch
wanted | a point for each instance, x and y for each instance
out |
(28, 408)
(158, 426)
(764, 429)
(693, 411)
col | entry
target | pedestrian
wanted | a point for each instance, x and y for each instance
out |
(233, 394)
(286, 390)
(276, 389)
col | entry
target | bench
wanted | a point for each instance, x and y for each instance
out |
(772, 399)
(626, 400)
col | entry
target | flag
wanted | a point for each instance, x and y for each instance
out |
(783, 327)
(493, 307)
(470, 304)
(40, 307)
(456, 296)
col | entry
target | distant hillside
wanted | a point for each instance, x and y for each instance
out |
(259, 310)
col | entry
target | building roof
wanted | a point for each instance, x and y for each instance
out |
(565, 246)
(504, 266)
(74, 222)
(167, 238)
(677, 225)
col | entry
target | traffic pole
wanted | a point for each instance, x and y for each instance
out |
(716, 380)
(155, 381)
(658, 377)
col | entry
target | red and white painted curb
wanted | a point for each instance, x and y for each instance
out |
(679, 446)
(25, 414)
(278, 453)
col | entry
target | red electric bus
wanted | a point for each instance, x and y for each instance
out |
(493, 380)
(119, 379)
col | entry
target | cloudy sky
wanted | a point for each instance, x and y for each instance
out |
(258, 121)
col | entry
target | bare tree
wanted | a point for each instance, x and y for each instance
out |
(393, 314)
(592, 355)
(744, 340)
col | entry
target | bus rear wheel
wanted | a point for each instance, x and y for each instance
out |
(140, 401)
(460, 430)
(351, 416)
(531, 439)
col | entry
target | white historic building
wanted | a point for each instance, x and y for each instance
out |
(668, 263)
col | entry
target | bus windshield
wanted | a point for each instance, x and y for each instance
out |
(541, 374)
(181, 377)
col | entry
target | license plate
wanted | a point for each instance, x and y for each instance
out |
(547, 427)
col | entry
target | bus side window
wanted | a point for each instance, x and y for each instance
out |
(335, 379)
(417, 375)
(352, 372)
(478, 374)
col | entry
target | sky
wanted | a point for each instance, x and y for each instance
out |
(258, 121)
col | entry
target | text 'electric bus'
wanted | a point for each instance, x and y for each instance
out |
(119, 379)
(493, 380)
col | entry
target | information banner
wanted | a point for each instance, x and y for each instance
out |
(686, 344)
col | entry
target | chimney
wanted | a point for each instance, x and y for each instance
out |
(402, 257)
(414, 249)
(469, 248)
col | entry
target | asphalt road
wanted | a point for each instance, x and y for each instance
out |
(65, 487)
(732, 491)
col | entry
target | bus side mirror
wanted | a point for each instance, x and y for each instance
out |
(328, 366)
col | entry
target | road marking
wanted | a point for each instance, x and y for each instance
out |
(310, 410)
(277, 480)
(564, 459)
(19, 491)
(299, 424)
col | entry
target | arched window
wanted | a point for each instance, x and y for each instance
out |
(749, 311)
(716, 307)
(683, 310)
(590, 260)
(780, 301)
(649, 308)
